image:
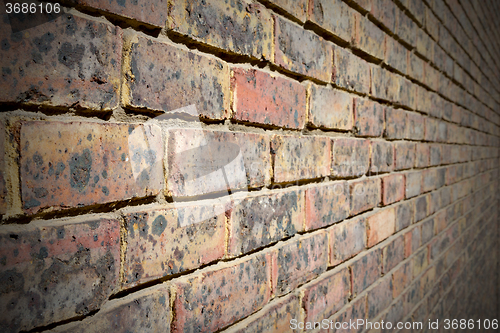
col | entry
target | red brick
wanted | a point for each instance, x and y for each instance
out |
(393, 188)
(299, 261)
(365, 194)
(57, 270)
(214, 298)
(335, 17)
(301, 51)
(401, 278)
(404, 157)
(385, 85)
(413, 184)
(274, 317)
(58, 67)
(156, 246)
(369, 38)
(412, 241)
(320, 200)
(431, 132)
(66, 165)
(190, 78)
(382, 156)
(411, 297)
(408, 93)
(380, 225)
(406, 28)
(350, 157)
(427, 230)
(393, 254)
(416, 67)
(296, 8)
(427, 281)
(420, 261)
(346, 239)
(422, 155)
(421, 208)
(395, 120)
(332, 109)
(415, 126)
(425, 45)
(300, 157)
(326, 295)
(259, 220)
(193, 152)
(379, 298)
(251, 30)
(434, 155)
(261, 98)
(365, 271)
(350, 71)
(368, 118)
(356, 310)
(433, 179)
(395, 54)
(404, 215)
(3, 189)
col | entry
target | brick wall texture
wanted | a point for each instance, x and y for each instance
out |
(368, 132)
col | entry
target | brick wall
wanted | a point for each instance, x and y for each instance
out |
(368, 142)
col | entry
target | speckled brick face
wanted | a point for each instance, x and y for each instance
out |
(261, 98)
(54, 271)
(350, 157)
(369, 37)
(71, 62)
(365, 271)
(334, 16)
(66, 165)
(350, 71)
(330, 108)
(326, 204)
(404, 155)
(368, 117)
(164, 241)
(240, 26)
(216, 298)
(190, 78)
(346, 239)
(257, 221)
(365, 195)
(393, 188)
(382, 159)
(3, 190)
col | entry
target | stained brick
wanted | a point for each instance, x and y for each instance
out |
(413, 184)
(380, 226)
(368, 117)
(326, 204)
(404, 215)
(420, 262)
(415, 126)
(258, 97)
(404, 155)
(395, 120)
(335, 16)
(406, 28)
(401, 278)
(365, 271)
(416, 67)
(350, 157)
(296, 8)
(350, 71)
(393, 254)
(251, 31)
(384, 84)
(382, 156)
(365, 194)
(332, 109)
(346, 239)
(422, 155)
(3, 189)
(379, 298)
(420, 208)
(393, 188)
(395, 54)
(356, 310)
(369, 38)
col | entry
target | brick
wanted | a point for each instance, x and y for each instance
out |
(215, 298)
(404, 215)
(395, 120)
(258, 97)
(332, 109)
(434, 155)
(356, 310)
(425, 44)
(379, 298)
(365, 194)
(421, 208)
(365, 271)
(189, 77)
(408, 93)
(346, 239)
(422, 155)
(299, 261)
(430, 133)
(73, 164)
(251, 31)
(335, 17)
(401, 278)
(195, 166)
(420, 262)
(380, 225)
(393, 188)
(3, 189)
(385, 11)
(320, 200)
(56, 270)
(259, 220)
(145, 310)
(416, 67)
(302, 51)
(298, 9)
(415, 126)
(382, 156)
(57, 67)
(368, 117)
(385, 85)
(326, 295)
(404, 155)
(427, 230)
(156, 246)
(350, 71)
(393, 254)
(350, 157)
(369, 38)
(406, 29)
(412, 241)
(413, 182)
(411, 297)
(395, 54)
(275, 317)
(300, 157)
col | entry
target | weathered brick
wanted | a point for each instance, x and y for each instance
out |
(369, 38)
(328, 108)
(379, 298)
(395, 120)
(425, 44)
(421, 208)
(350, 71)
(66, 165)
(401, 278)
(413, 184)
(259, 220)
(404, 215)
(299, 261)
(58, 67)
(415, 126)
(195, 165)
(404, 155)
(219, 296)
(346, 239)
(327, 295)
(3, 189)
(427, 227)
(430, 132)
(300, 157)
(365, 194)
(413, 240)
(259, 97)
(251, 31)
(302, 51)
(416, 67)
(326, 204)
(393, 188)
(393, 254)
(296, 8)
(420, 261)
(380, 225)
(335, 16)
(368, 117)
(395, 54)
(156, 246)
(365, 271)
(189, 77)
(356, 310)
(57, 270)
(422, 155)
(406, 28)
(408, 93)
(384, 84)
(382, 156)
(350, 157)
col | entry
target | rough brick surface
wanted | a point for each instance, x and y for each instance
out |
(346, 239)
(369, 38)
(334, 16)
(382, 156)
(3, 168)
(329, 108)
(326, 204)
(393, 188)
(365, 271)
(365, 194)
(350, 72)
(350, 157)
(380, 225)
(368, 117)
